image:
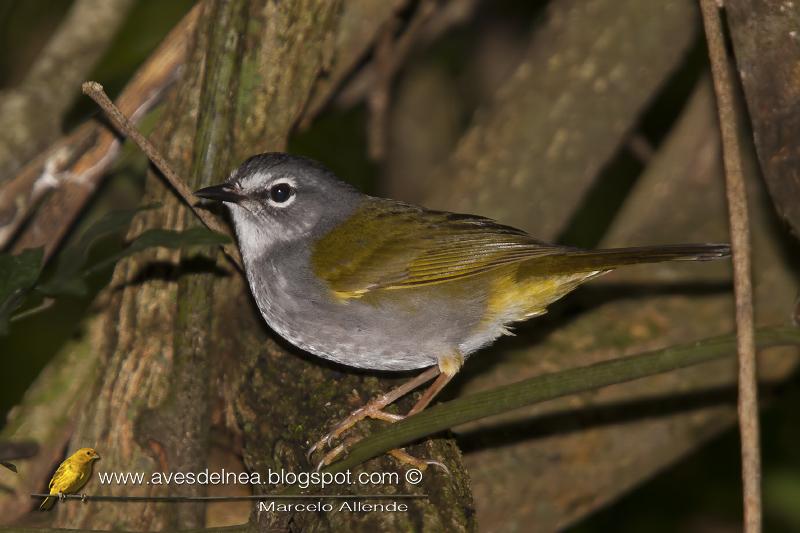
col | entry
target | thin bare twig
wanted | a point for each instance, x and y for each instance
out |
(740, 243)
(95, 91)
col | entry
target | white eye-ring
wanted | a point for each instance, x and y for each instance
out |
(281, 193)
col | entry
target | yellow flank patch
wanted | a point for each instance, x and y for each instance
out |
(512, 299)
(451, 364)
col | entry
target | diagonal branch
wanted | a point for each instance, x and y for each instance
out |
(95, 91)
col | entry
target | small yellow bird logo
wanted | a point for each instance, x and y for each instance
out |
(71, 475)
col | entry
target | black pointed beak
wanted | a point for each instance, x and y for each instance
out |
(220, 193)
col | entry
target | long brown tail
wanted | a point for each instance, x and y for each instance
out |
(572, 261)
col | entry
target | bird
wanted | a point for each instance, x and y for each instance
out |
(71, 475)
(383, 285)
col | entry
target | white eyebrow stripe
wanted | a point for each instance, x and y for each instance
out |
(255, 178)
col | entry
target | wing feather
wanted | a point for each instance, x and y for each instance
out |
(391, 245)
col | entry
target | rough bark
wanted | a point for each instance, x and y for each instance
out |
(766, 39)
(151, 400)
(589, 72)
(167, 334)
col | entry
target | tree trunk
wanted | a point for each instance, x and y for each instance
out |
(182, 337)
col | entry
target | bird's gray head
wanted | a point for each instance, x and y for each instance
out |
(279, 198)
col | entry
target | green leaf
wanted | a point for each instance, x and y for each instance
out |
(550, 386)
(164, 238)
(72, 270)
(18, 274)
(197, 236)
(68, 277)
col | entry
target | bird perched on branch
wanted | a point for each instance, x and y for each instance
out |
(383, 285)
(71, 475)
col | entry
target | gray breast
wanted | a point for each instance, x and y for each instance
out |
(404, 330)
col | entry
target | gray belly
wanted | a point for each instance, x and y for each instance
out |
(398, 330)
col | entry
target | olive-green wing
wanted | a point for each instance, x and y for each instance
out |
(391, 245)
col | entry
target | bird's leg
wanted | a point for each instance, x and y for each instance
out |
(445, 370)
(84, 497)
(61, 496)
(430, 393)
(373, 409)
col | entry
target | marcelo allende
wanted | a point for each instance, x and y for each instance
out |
(317, 506)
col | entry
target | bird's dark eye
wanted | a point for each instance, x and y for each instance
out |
(88, 453)
(281, 192)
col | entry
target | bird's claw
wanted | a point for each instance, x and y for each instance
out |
(420, 464)
(432, 462)
(331, 456)
(84, 497)
(321, 443)
(61, 496)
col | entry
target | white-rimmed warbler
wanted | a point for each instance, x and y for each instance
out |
(383, 285)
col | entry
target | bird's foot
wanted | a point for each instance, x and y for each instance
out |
(61, 496)
(399, 453)
(372, 410)
(84, 497)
